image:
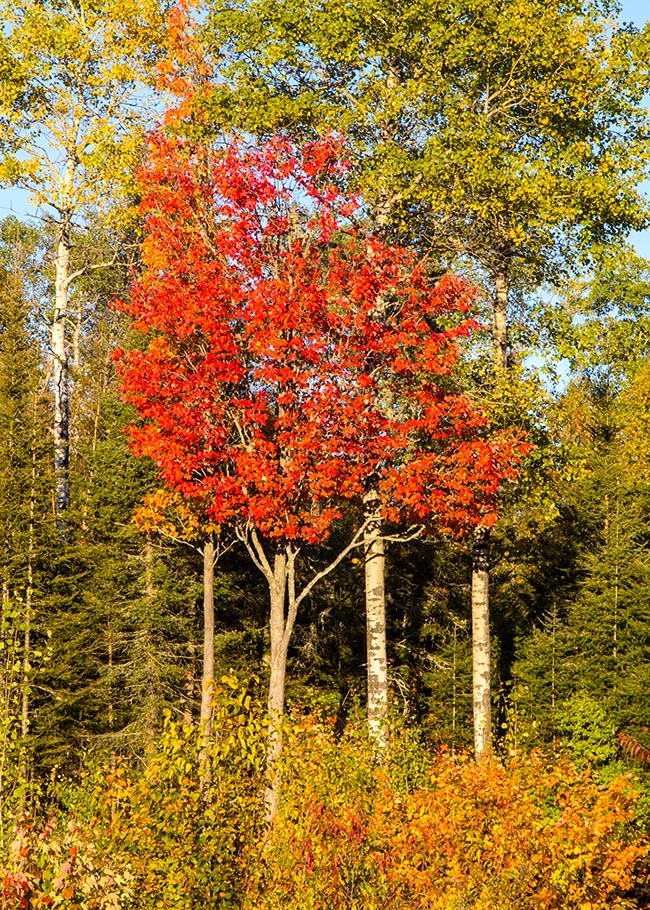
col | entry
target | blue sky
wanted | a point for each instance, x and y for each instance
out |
(635, 11)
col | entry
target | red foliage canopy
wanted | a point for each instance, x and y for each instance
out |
(292, 360)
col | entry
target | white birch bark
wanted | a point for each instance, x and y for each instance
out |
(500, 321)
(481, 670)
(60, 370)
(377, 663)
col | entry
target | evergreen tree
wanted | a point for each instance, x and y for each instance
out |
(25, 502)
(595, 642)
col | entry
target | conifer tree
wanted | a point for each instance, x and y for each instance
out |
(25, 479)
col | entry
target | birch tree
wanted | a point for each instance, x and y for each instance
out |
(72, 105)
(511, 137)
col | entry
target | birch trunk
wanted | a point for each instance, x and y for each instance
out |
(481, 671)
(374, 561)
(373, 542)
(207, 680)
(60, 371)
(500, 322)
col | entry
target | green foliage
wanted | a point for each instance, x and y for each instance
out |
(494, 132)
(192, 841)
(586, 730)
(592, 641)
(71, 127)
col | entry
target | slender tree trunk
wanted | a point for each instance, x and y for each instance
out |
(27, 634)
(207, 680)
(150, 666)
(279, 651)
(375, 563)
(481, 644)
(481, 672)
(500, 322)
(60, 372)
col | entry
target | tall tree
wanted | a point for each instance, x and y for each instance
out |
(511, 136)
(70, 114)
(260, 385)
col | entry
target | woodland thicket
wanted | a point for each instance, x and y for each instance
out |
(325, 462)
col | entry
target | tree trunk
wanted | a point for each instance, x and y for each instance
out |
(280, 633)
(500, 323)
(207, 681)
(374, 561)
(481, 672)
(60, 372)
(284, 602)
(150, 666)
(27, 634)
(481, 644)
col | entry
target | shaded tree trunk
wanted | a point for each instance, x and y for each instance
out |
(27, 633)
(282, 617)
(207, 680)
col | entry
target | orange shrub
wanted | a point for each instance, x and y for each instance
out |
(59, 864)
(520, 837)
(350, 834)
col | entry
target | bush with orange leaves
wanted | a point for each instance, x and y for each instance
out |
(412, 832)
(517, 837)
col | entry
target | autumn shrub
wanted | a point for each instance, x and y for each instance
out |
(158, 832)
(404, 830)
(517, 837)
(189, 841)
(58, 863)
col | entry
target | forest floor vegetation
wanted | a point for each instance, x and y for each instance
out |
(418, 829)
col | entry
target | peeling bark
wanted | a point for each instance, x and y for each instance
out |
(374, 561)
(481, 671)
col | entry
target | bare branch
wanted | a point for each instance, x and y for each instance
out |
(356, 541)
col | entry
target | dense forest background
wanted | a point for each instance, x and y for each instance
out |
(506, 143)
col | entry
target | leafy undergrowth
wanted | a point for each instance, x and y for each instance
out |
(413, 833)
(517, 837)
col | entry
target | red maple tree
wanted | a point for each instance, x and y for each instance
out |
(291, 361)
